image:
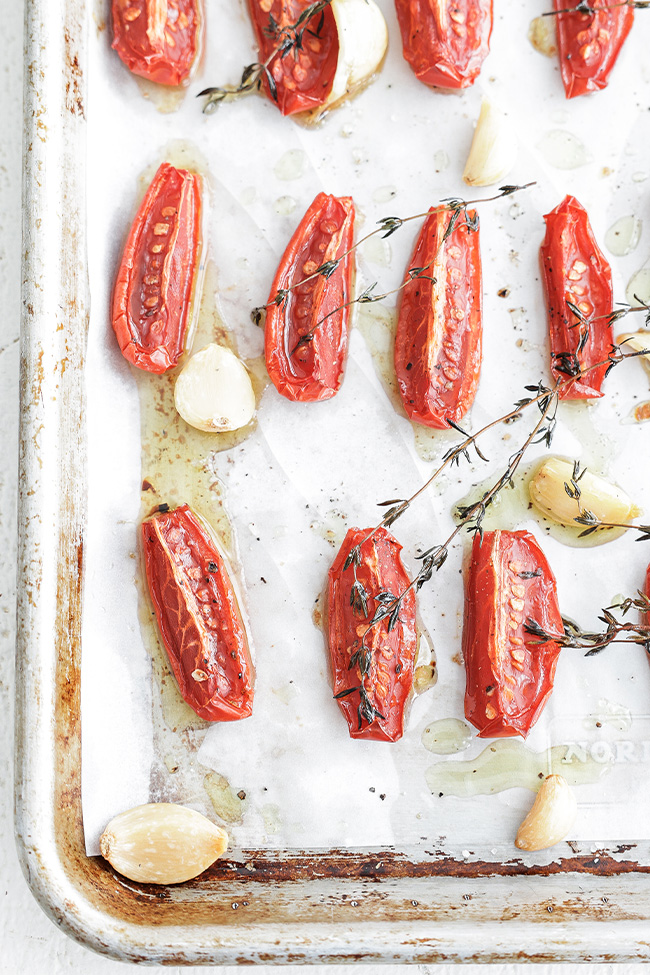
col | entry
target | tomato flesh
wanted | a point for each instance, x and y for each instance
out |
(589, 44)
(575, 270)
(445, 42)
(158, 39)
(391, 655)
(509, 671)
(303, 368)
(439, 324)
(304, 75)
(198, 616)
(154, 289)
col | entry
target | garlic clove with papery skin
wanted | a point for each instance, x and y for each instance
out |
(494, 148)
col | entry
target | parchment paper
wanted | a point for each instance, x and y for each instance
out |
(307, 472)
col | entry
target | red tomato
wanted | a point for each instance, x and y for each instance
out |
(198, 615)
(304, 75)
(439, 329)
(509, 671)
(152, 298)
(445, 42)
(158, 39)
(307, 333)
(589, 44)
(574, 270)
(372, 702)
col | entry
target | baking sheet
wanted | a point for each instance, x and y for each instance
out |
(306, 472)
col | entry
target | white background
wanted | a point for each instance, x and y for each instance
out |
(28, 940)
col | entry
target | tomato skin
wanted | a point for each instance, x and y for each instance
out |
(198, 615)
(509, 672)
(439, 324)
(589, 44)
(313, 371)
(303, 77)
(390, 678)
(574, 269)
(158, 39)
(160, 266)
(445, 41)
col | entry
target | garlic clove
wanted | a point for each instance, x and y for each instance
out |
(552, 815)
(162, 843)
(363, 40)
(637, 342)
(604, 499)
(494, 148)
(214, 391)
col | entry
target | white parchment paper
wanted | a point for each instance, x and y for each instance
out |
(307, 472)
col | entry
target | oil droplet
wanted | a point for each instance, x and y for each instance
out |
(541, 35)
(285, 205)
(225, 801)
(384, 194)
(271, 816)
(165, 98)
(623, 236)
(508, 764)
(639, 177)
(291, 165)
(171, 763)
(563, 150)
(248, 196)
(440, 160)
(447, 736)
(638, 287)
(641, 413)
(346, 131)
(378, 324)
(286, 693)
(377, 251)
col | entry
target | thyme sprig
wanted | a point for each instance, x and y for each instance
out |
(287, 39)
(588, 518)
(470, 517)
(386, 226)
(616, 630)
(584, 7)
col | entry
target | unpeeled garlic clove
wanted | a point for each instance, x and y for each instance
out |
(637, 342)
(494, 148)
(214, 391)
(552, 815)
(162, 843)
(604, 500)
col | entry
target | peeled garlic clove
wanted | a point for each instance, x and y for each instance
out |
(551, 817)
(494, 148)
(637, 342)
(606, 501)
(162, 843)
(363, 39)
(214, 391)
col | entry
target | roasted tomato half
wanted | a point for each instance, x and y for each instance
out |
(154, 290)
(372, 665)
(158, 39)
(509, 670)
(575, 273)
(589, 44)
(439, 328)
(304, 75)
(198, 615)
(307, 329)
(445, 41)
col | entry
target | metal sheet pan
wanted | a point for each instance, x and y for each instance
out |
(342, 906)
